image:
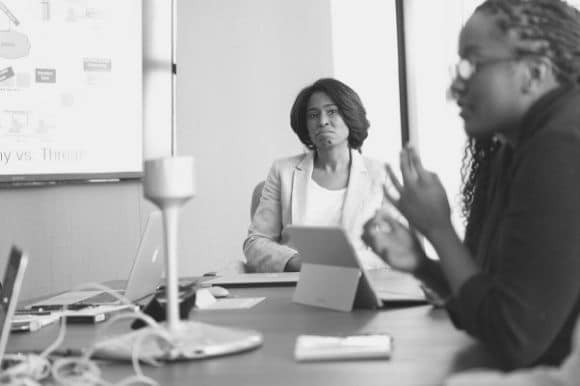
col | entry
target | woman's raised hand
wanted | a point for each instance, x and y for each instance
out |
(422, 199)
(393, 242)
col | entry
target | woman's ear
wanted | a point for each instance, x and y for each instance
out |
(538, 73)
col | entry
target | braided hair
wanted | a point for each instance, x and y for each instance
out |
(547, 28)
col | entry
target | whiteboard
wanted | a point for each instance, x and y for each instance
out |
(71, 101)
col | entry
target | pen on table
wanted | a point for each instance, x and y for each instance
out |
(32, 312)
(60, 307)
(46, 307)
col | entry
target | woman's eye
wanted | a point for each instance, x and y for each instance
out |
(332, 112)
(313, 115)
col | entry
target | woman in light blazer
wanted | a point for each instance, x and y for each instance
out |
(332, 185)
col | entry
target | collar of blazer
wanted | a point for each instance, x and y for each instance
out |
(356, 191)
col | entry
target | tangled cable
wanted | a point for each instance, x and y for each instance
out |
(30, 369)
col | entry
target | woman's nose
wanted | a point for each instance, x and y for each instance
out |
(456, 88)
(323, 120)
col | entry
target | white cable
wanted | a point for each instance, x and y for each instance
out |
(28, 370)
(156, 330)
(160, 333)
(147, 319)
(59, 339)
(137, 314)
(104, 288)
(31, 368)
(10, 381)
(77, 372)
(82, 370)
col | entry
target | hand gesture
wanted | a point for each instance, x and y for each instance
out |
(393, 242)
(294, 264)
(422, 199)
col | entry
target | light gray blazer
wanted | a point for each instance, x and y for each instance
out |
(283, 202)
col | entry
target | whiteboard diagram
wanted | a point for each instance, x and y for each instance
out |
(70, 88)
(13, 44)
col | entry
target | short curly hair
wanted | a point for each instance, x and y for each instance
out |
(349, 106)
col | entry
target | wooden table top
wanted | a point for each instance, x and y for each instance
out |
(427, 347)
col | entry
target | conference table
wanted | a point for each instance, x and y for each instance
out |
(427, 348)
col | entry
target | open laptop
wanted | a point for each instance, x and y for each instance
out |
(254, 279)
(332, 275)
(144, 277)
(13, 276)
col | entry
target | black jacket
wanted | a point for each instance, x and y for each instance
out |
(525, 302)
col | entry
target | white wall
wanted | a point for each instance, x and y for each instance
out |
(157, 77)
(74, 233)
(436, 127)
(241, 64)
(364, 45)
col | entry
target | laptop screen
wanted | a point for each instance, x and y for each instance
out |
(13, 276)
(148, 264)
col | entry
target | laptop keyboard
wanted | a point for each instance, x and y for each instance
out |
(102, 298)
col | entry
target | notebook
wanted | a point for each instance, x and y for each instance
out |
(144, 277)
(310, 348)
(333, 276)
(254, 279)
(22, 322)
(13, 276)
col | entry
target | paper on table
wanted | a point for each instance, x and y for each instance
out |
(69, 297)
(28, 322)
(96, 310)
(233, 304)
(316, 348)
(204, 298)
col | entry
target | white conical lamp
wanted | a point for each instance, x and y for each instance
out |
(169, 183)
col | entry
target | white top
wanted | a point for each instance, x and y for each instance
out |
(323, 206)
(284, 198)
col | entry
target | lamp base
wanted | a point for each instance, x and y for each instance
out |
(190, 340)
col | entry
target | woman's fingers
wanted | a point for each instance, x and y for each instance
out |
(394, 179)
(390, 198)
(407, 167)
(370, 233)
(396, 184)
(381, 223)
(390, 223)
(415, 160)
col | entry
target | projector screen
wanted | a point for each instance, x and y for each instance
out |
(71, 100)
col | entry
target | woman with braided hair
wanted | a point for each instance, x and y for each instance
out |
(514, 282)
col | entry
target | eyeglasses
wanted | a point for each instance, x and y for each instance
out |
(466, 68)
